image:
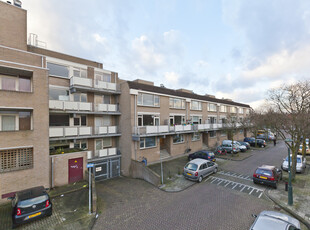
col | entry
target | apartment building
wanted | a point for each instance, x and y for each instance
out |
(57, 112)
(158, 122)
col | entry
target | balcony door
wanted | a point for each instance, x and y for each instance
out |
(148, 120)
(103, 121)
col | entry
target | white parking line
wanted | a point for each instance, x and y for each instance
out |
(244, 177)
(227, 184)
(234, 186)
(260, 195)
(251, 191)
(242, 189)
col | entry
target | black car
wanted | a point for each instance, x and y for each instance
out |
(207, 155)
(268, 175)
(30, 204)
(260, 143)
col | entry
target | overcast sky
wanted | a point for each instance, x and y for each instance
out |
(230, 48)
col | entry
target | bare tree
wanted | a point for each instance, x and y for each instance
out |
(288, 114)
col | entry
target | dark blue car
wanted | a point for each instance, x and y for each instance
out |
(203, 154)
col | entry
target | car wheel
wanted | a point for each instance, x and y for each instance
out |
(215, 170)
(275, 186)
(262, 146)
(199, 179)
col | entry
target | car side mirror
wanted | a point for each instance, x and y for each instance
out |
(253, 215)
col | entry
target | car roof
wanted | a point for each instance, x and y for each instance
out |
(198, 161)
(31, 193)
(281, 217)
(270, 167)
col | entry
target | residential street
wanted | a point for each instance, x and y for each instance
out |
(213, 204)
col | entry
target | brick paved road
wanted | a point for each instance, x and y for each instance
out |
(135, 204)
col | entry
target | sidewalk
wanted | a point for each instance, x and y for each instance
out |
(301, 196)
(70, 210)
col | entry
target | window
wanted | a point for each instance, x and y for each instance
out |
(77, 72)
(196, 136)
(16, 159)
(15, 83)
(177, 120)
(103, 143)
(196, 119)
(58, 94)
(233, 109)
(81, 144)
(59, 120)
(223, 120)
(223, 108)
(240, 110)
(106, 99)
(212, 107)
(177, 103)
(79, 121)
(148, 100)
(80, 97)
(179, 138)
(58, 70)
(212, 133)
(146, 119)
(15, 120)
(196, 105)
(103, 77)
(211, 120)
(147, 142)
(241, 131)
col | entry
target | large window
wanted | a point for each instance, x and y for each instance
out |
(15, 83)
(177, 103)
(58, 70)
(79, 121)
(212, 134)
(212, 107)
(196, 119)
(77, 72)
(233, 109)
(211, 120)
(146, 119)
(196, 105)
(103, 77)
(223, 108)
(240, 110)
(60, 94)
(15, 120)
(179, 138)
(196, 136)
(59, 120)
(80, 144)
(148, 100)
(177, 120)
(16, 159)
(103, 143)
(80, 97)
(147, 142)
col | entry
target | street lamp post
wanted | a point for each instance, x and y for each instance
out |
(290, 188)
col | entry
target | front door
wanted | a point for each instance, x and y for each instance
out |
(75, 169)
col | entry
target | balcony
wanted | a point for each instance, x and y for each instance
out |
(70, 105)
(106, 108)
(73, 132)
(106, 152)
(90, 85)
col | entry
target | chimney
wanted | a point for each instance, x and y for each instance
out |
(209, 95)
(185, 90)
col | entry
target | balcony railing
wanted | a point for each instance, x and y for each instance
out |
(105, 152)
(70, 105)
(72, 131)
(106, 108)
(87, 82)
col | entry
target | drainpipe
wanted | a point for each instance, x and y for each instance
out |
(135, 123)
(53, 172)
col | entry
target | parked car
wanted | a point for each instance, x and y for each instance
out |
(270, 220)
(246, 144)
(230, 148)
(307, 150)
(260, 143)
(207, 155)
(220, 150)
(241, 147)
(248, 139)
(198, 168)
(307, 141)
(268, 175)
(270, 137)
(300, 166)
(29, 205)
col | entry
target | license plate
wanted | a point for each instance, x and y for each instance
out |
(263, 177)
(34, 215)
(189, 174)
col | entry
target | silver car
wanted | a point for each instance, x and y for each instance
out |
(300, 165)
(198, 168)
(270, 220)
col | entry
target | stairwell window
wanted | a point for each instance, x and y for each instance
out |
(16, 159)
(145, 99)
(147, 142)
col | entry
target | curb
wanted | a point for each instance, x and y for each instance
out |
(231, 159)
(287, 209)
(176, 191)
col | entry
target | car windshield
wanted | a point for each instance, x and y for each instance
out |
(191, 166)
(298, 159)
(32, 201)
(264, 172)
(211, 154)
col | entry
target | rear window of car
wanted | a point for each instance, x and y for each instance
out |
(265, 172)
(298, 159)
(32, 201)
(191, 166)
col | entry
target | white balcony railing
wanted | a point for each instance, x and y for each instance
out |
(105, 130)
(106, 152)
(69, 131)
(106, 108)
(87, 82)
(70, 105)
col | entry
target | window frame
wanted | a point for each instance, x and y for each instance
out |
(144, 143)
(210, 107)
(199, 105)
(194, 136)
(155, 104)
(16, 79)
(181, 138)
(16, 156)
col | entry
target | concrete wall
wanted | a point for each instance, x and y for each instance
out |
(140, 171)
(60, 168)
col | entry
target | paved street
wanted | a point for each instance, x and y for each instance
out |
(224, 201)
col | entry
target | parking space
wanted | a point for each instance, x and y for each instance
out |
(236, 175)
(254, 191)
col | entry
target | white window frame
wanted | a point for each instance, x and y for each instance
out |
(199, 118)
(199, 105)
(182, 139)
(171, 117)
(183, 103)
(194, 137)
(240, 110)
(16, 122)
(154, 95)
(144, 143)
(80, 70)
(156, 118)
(209, 107)
(223, 108)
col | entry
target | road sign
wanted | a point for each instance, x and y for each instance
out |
(90, 165)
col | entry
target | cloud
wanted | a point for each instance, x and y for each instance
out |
(172, 78)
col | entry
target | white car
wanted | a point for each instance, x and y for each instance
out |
(242, 148)
(300, 166)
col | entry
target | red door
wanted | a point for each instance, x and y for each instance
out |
(75, 169)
